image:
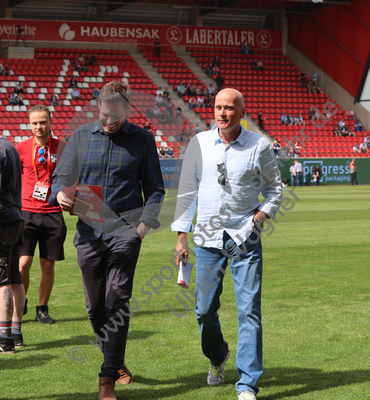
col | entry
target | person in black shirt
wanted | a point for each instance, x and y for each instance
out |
(11, 231)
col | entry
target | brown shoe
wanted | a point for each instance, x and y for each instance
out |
(106, 389)
(125, 376)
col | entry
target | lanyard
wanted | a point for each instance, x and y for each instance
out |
(47, 159)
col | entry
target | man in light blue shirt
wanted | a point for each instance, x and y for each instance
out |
(223, 172)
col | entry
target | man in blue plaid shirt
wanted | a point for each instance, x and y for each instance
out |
(122, 159)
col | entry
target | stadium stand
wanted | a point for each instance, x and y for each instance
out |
(275, 91)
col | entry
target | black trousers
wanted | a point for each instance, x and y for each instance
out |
(11, 236)
(108, 268)
(354, 178)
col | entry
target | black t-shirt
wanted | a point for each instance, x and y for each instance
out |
(10, 183)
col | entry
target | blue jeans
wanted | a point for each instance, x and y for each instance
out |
(294, 180)
(299, 179)
(246, 270)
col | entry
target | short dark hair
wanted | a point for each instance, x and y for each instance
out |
(116, 91)
(40, 108)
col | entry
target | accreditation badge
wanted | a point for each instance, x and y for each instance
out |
(41, 190)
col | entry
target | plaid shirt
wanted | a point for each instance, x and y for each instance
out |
(125, 164)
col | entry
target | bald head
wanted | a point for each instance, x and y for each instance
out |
(232, 95)
(229, 110)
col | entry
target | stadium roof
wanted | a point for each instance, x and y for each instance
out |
(237, 13)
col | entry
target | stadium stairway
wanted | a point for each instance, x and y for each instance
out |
(160, 82)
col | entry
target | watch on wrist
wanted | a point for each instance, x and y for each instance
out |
(257, 223)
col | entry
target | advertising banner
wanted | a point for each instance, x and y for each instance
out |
(107, 32)
(333, 170)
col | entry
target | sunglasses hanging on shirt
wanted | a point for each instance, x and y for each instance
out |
(42, 153)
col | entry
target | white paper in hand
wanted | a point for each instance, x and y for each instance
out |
(184, 274)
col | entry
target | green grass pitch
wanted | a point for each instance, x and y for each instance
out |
(316, 312)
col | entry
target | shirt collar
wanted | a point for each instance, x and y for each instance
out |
(241, 139)
(99, 128)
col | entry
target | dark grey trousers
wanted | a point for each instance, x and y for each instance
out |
(108, 268)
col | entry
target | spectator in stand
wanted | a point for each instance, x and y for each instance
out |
(356, 149)
(367, 141)
(276, 146)
(310, 87)
(261, 118)
(147, 126)
(184, 136)
(192, 103)
(156, 111)
(13, 98)
(260, 66)
(157, 48)
(166, 93)
(345, 131)
(95, 93)
(249, 48)
(162, 153)
(200, 101)
(342, 123)
(296, 120)
(219, 82)
(315, 88)
(20, 100)
(163, 117)
(353, 171)
(93, 60)
(359, 127)
(314, 77)
(178, 112)
(208, 71)
(73, 82)
(159, 91)
(244, 48)
(181, 90)
(169, 152)
(211, 90)
(54, 100)
(216, 61)
(297, 149)
(159, 100)
(1, 69)
(7, 69)
(284, 120)
(302, 122)
(337, 131)
(351, 114)
(302, 78)
(293, 174)
(197, 129)
(215, 70)
(363, 147)
(208, 102)
(19, 88)
(290, 120)
(254, 64)
(311, 113)
(75, 93)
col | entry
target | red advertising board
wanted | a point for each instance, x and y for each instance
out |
(106, 32)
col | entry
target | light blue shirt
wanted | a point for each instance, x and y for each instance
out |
(251, 168)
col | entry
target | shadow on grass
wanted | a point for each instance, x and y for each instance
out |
(82, 340)
(37, 360)
(309, 380)
(277, 379)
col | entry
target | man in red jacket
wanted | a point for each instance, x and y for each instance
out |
(44, 224)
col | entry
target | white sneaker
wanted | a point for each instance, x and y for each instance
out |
(247, 395)
(216, 373)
